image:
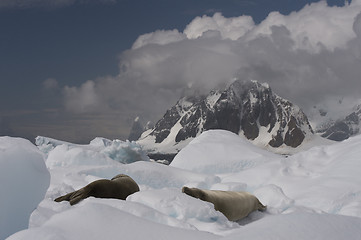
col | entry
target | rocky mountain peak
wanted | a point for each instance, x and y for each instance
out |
(345, 127)
(247, 108)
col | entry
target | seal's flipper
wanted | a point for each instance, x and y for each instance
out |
(63, 198)
(76, 199)
(261, 207)
(79, 195)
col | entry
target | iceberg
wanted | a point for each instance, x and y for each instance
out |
(24, 180)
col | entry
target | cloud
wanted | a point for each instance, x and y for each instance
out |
(357, 25)
(229, 28)
(46, 3)
(160, 37)
(179, 63)
(307, 56)
(82, 99)
(50, 84)
(315, 26)
(303, 76)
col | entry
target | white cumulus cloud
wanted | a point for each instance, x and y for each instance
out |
(160, 37)
(316, 26)
(229, 28)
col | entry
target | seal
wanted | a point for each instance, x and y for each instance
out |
(119, 187)
(234, 205)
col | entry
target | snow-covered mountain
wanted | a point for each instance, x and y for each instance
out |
(343, 128)
(247, 108)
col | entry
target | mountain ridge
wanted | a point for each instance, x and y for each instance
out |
(247, 108)
(343, 128)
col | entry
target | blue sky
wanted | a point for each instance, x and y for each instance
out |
(46, 46)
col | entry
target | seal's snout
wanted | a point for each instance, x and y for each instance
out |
(184, 189)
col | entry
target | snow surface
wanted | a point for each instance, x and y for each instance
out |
(314, 194)
(220, 152)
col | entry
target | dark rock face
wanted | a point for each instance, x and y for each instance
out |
(277, 140)
(163, 126)
(345, 128)
(166, 158)
(243, 108)
(294, 136)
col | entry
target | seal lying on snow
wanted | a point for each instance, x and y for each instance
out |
(234, 205)
(120, 187)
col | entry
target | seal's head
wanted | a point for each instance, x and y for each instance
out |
(120, 176)
(194, 192)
